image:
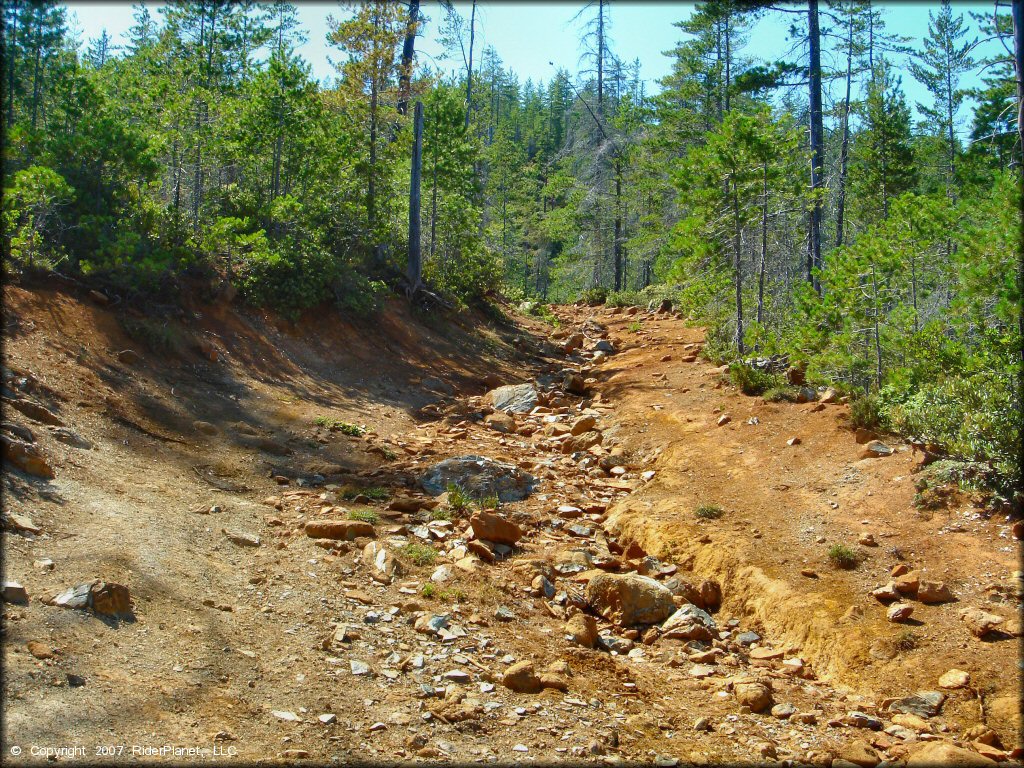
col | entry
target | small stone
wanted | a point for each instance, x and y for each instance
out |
(899, 612)
(582, 630)
(291, 717)
(205, 427)
(22, 524)
(129, 356)
(457, 676)
(46, 564)
(793, 441)
(783, 711)
(14, 593)
(339, 530)
(502, 613)
(859, 753)
(522, 678)
(242, 538)
(757, 696)
(867, 540)
(359, 667)
(327, 718)
(954, 678)
(39, 650)
(931, 592)
(979, 622)
(876, 450)
(724, 419)
(702, 724)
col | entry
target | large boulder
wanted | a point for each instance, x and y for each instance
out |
(479, 476)
(629, 598)
(513, 398)
(943, 753)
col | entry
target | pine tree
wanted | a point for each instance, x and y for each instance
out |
(940, 67)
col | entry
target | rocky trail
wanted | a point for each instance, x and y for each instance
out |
(255, 544)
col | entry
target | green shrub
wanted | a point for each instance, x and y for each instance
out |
(635, 327)
(594, 296)
(366, 515)
(336, 425)
(708, 512)
(841, 556)
(751, 381)
(428, 590)
(865, 413)
(439, 513)
(419, 554)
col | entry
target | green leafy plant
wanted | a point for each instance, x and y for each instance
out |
(594, 296)
(439, 513)
(635, 327)
(708, 512)
(842, 556)
(428, 590)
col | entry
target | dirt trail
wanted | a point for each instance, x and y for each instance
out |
(299, 647)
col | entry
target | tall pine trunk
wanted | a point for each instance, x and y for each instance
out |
(415, 268)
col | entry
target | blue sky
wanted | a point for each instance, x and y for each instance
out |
(529, 35)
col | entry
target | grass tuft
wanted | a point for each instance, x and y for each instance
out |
(708, 512)
(366, 515)
(419, 554)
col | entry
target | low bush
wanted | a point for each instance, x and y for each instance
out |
(841, 556)
(751, 381)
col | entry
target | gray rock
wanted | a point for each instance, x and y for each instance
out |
(241, 538)
(603, 345)
(513, 398)
(748, 638)
(479, 476)
(359, 667)
(69, 437)
(922, 704)
(690, 623)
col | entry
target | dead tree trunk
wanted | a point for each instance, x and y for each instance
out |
(415, 270)
(817, 145)
(408, 50)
